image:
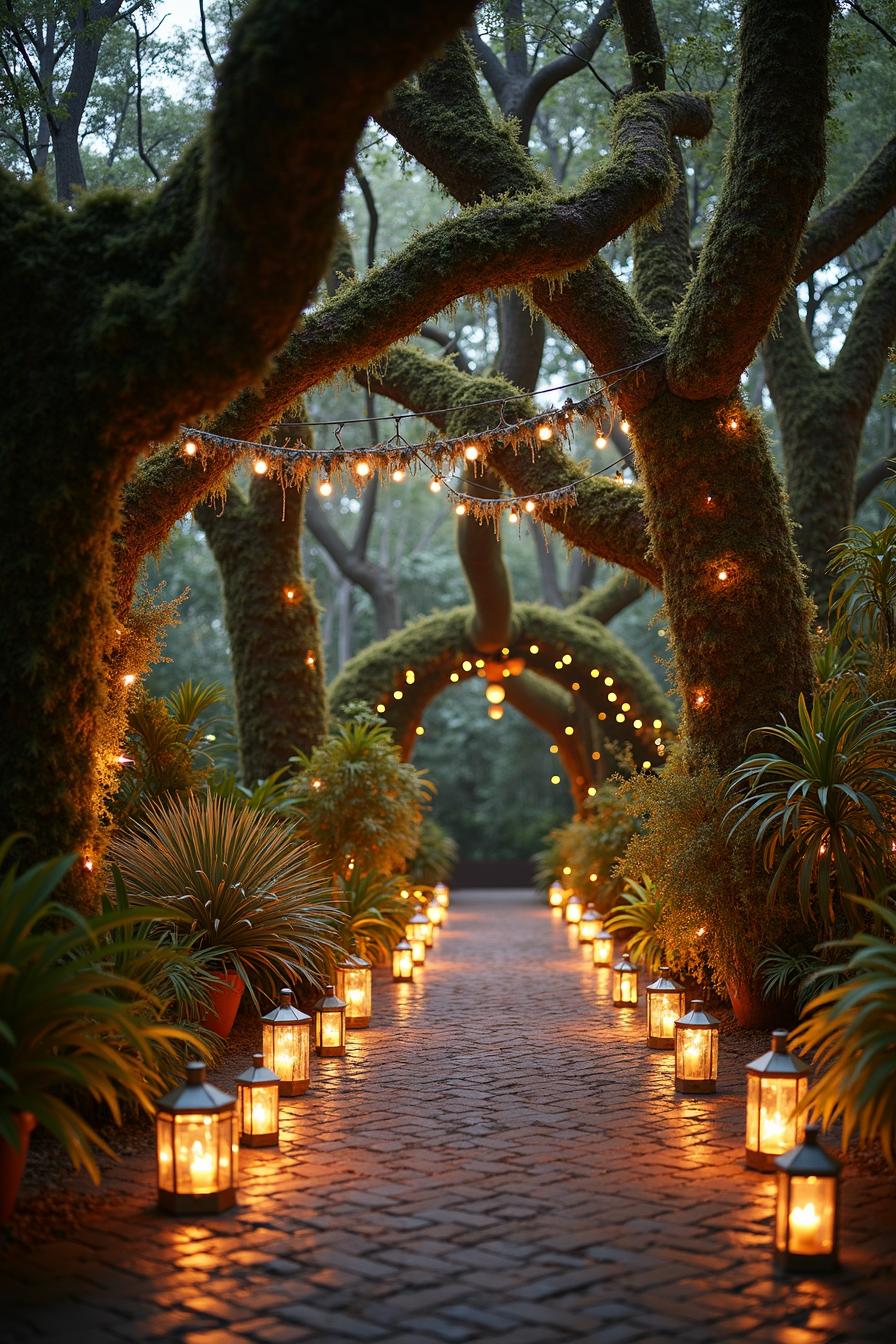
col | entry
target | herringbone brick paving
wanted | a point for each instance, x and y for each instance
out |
(498, 1157)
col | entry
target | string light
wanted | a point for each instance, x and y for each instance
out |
(435, 484)
(569, 730)
(260, 466)
(398, 475)
(553, 748)
(624, 426)
(533, 649)
(191, 447)
(325, 488)
(460, 510)
(399, 695)
(722, 576)
(88, 865)
(289, 594)
(471, 452)
(496, 711)
(363, 467)
(381, 708)
(545, 433)
(410, 676)
(555, 779)
(600, 441)
(310, 660)
(699, 699)
(419, 730)
(733, 424)
(530, 506)
(494, 693)
(129, 678)
(513, 516)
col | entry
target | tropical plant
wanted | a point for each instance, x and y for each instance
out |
(639, 916)
(273, 794)
(358, 802)
(851, 1028)
(375, 915)
(75, 1022)
(584, 853)
(435, 857)
(168, 747)
(797, 972)
(824, 806)
(863, 595)
(251, 893)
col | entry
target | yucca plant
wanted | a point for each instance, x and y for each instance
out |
(375, 915)
(638, 916)
(851, 1029)
(435, 857)
(825, 804)
(168, 745)
(249, 894)
(358, 802)
(74, 1024)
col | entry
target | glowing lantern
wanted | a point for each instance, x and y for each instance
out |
(403, 961)
(665, 1003)
(442, 894)
(603, 948)
(286, 1045)
(329, 1024)
(196, 1146)
(625, 983)
(807, 1210)
(258, 1104)
(776, 1084)
(573, 911)
(416, 930)
(696, 1050)
(354, 984)
(590, 924)
(556, 894)
(435, 913)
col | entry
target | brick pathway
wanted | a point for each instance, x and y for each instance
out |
(498, 1157)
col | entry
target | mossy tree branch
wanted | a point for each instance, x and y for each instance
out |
(851, 214)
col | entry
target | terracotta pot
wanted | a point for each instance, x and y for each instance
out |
(224, 997)
(752, 1009)
(12, 1164)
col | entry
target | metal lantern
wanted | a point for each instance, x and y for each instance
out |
(556, 893)
(442, 894)
(286, 1045)
(416, 931)
(196, 1146)
(807, 1212)
(696, 1050)
(573, 912)
(776, 1084)
(403, 961)
(625, 983)
(590, 924)
(603, 948)
(354, 984)
(258, 1105)
(665, 1003)
(329, 1024)
(435, 912)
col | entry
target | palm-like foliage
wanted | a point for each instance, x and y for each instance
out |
(801, 973)
(167, 745)
(273, 794)
(824, 806)
(358, 802)
(591, 848)
(638, 915)
(75, 1021)
(435, 857)
(248, 891)
(851, 1029)
(375, 915)
(863, 595)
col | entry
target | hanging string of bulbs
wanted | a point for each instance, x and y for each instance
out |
(395, 457)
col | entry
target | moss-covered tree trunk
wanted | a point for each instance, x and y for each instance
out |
(272, 625)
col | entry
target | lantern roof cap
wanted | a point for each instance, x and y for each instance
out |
(418, 917)
(353, 962)
(257, 1073)
(809, 1158)
(779, 1061)
(697, 1017)
(602, 933)
(286, 1011)
(329, 1000)
(591, 911)
(664, 982)
(402, 945)
(195, 1094)
(625, 963)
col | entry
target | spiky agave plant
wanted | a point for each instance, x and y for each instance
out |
(73, 1024)
(250, 892)
(851, 1029)
(638, 915)
(825, 804)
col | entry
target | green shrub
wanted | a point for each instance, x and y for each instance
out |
(435, 857)
(274, 794)
(81, 1000)
(251, 893)
(375, 914)
(639, 916)
(167, 746)
(851, 1029)
(590, 847)
(358, 803)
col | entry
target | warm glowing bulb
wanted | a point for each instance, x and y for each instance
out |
(637, 723)
(494, 693)
(399, 695)
(129, 678)
(435, 485)
(533, 648)
(545, 433)
(700, 699)
(310, 660)
(600, 441)
(567, 871)
(592, 792)
(381, 708)
(317, 784)
(419, 730)
(733, 423)
(260, 467)
(289, 594)
(471, 452)
(410, 676)
(467, 665)
(454, 677)
(191, 448)
(513, 516)
(480, 662)
(496, 711)
(555, 779)
(657, 723)
(362, 468)
(624, 426)
(608, 681)
(723, 576)
(553, 748)
(612, 697)
(88, 865)
(460, 510)
(569, 730)
(530, 505)
(398, 475)
(325, 488)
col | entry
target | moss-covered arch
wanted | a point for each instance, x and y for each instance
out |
(439, 651)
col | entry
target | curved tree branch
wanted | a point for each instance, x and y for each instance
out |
(851, 214)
